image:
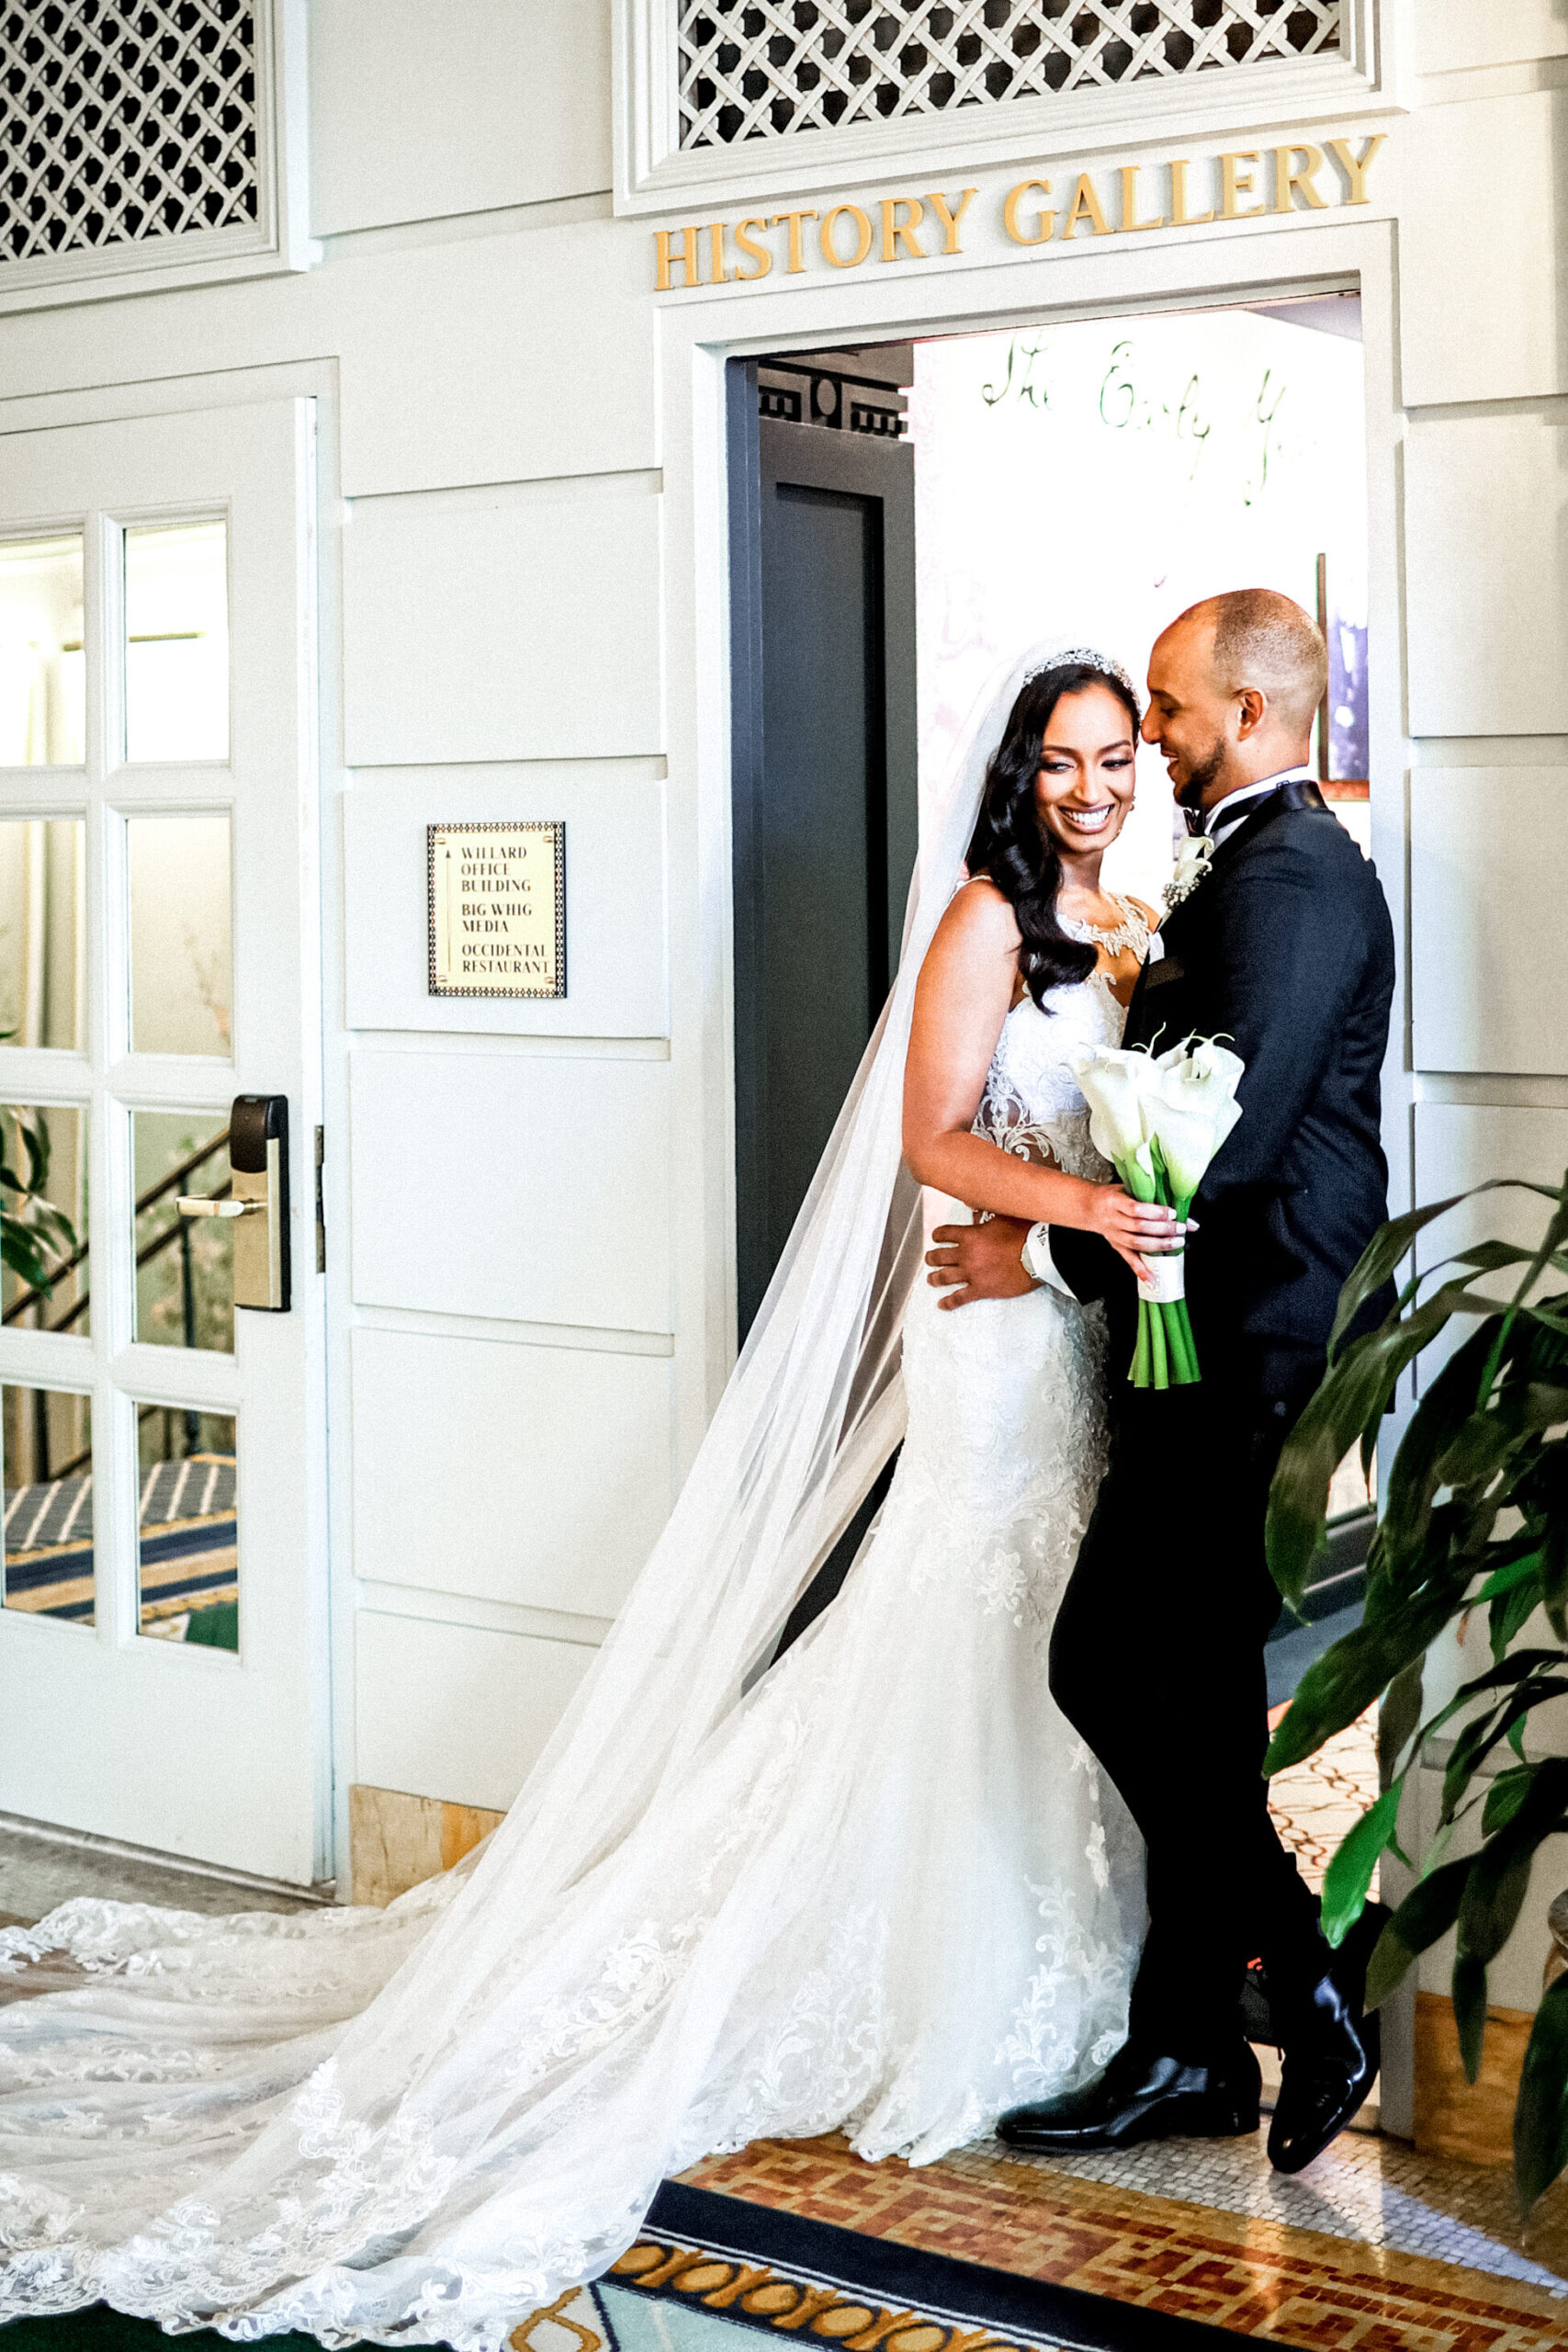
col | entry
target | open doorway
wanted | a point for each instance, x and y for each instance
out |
(904, 519)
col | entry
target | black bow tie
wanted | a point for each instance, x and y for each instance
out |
(1219, 821)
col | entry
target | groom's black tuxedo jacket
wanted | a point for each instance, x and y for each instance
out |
(1285, 951)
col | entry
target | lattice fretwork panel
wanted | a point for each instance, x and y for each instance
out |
(123, 124)
(767, 68)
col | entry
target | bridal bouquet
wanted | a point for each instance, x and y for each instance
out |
(1159, 1120)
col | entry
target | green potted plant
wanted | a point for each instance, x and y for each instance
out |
(35, 1236)
(1475, 1514)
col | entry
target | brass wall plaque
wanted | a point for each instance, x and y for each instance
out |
(498, 909)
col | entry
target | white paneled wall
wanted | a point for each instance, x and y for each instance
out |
(1483, 214)
(535, 1477)
(615, 895)
(1454, 36)
(519, 622)
(420, 112)
(1483, 335)
(1488, 886)
(1461, 1144)
(532, 359)
(453, 1711)
(535, 1188)
(500, 658)
(1486, 574)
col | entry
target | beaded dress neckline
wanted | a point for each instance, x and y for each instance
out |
(1132, 932)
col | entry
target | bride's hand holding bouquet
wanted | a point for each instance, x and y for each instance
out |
(1138, 1226)
(1159, 1119)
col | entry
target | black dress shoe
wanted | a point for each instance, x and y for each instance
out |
(1331, 2050)
(1144, 2094)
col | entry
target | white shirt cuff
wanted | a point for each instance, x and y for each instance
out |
(1038, 1261)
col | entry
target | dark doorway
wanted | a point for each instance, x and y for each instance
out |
(824, 776)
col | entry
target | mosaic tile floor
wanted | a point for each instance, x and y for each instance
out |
(1377, 2250)
(1315, 1804)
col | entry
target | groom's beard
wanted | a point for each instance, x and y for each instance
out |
(1204, 773)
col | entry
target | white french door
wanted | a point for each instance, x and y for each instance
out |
(162, 1627)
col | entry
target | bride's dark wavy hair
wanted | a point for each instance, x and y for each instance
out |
(1011, 847)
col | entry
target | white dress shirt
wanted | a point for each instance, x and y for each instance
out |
(1227, 814)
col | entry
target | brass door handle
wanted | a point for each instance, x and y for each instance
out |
(257, 1201)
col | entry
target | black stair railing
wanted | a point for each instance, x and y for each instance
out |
(174, 1234)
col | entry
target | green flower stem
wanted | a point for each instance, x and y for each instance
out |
(1139, 1374)
(1178, 1345)
(1165, 1356)
(1157, 1350)
(1194, 1372)
(1188, 1345)
(1177, 1313)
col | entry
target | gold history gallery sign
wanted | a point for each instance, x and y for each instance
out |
(1244, 183)
(498, 909)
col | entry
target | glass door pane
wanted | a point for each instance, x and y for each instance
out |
(181, 914)
(187, 1551)
(42, 941)
(47, 1436)
(176, 641)
(185, 1266)
(44, 1218)
(43, 704)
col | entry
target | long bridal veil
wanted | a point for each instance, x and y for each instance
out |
(407, 2126)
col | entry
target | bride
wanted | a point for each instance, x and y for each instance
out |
(875, 1885)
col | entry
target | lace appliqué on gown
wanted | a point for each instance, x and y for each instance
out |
(1031, 1104)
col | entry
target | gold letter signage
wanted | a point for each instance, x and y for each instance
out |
(497, 909)
(1240, 181)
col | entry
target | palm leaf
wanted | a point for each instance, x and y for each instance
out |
(1541, 2118)
(1392, 1243)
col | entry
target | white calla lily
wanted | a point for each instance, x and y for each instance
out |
(1189, 1135)
(1216, 1064)
(1116, 1083)
(1193, 1112)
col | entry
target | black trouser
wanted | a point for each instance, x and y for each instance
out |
(1157, 1658)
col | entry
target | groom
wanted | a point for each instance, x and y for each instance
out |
(1284, 947)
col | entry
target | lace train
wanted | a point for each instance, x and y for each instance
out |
(885, 1892)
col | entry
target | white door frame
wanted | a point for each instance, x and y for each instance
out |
(330, 1630)
(697, 336)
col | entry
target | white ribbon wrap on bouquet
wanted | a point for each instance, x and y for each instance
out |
(1168, 1277)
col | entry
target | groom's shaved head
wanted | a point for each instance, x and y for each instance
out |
(1264, 641)
(1232, 687)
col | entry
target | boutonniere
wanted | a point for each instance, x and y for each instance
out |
(1191, 865)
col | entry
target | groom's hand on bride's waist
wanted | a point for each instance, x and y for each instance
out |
(1004, 1257)
(971, 1261)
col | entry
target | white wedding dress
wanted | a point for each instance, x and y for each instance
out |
(886, 1891)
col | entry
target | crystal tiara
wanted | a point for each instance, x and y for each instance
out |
(1085, 657)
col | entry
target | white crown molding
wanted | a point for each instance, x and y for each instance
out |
(654, 175)
(279, 240)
